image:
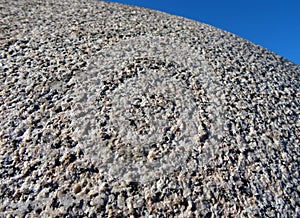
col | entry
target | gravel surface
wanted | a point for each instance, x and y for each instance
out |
(108, 110)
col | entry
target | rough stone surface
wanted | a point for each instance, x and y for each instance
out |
(108, 110)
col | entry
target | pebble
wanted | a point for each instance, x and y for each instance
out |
(77, 188)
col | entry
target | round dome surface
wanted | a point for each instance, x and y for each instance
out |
(110, 110)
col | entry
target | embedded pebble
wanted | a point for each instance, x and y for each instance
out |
(77, 188)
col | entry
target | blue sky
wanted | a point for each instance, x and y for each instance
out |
(274, 25)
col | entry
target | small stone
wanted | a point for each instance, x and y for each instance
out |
(27, 135)
(77, 188)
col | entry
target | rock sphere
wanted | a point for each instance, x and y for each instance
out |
(108, 110)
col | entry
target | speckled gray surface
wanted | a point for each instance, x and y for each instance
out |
(108, 110)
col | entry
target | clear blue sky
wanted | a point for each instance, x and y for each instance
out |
(274, 25)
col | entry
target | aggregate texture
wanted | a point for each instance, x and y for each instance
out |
(108, 110)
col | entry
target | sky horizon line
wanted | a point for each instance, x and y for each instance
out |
(274, 27)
